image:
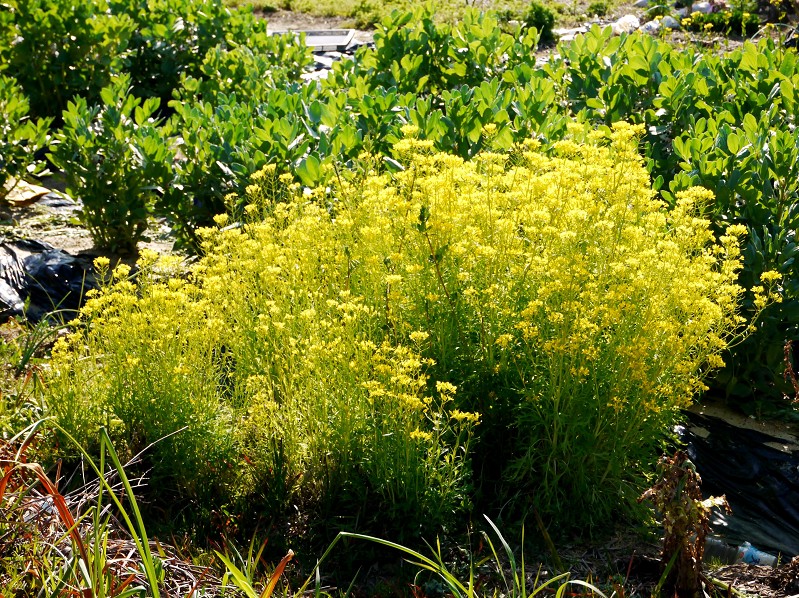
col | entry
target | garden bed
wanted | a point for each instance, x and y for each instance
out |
(447, 278)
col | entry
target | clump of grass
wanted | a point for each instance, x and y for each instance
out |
(38, 519)
(92, 541)
(512, 572)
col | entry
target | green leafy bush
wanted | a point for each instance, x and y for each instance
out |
(60, 49)
(414, 53)
(173, 39)
(170, 39)
(248, 73)
(20, 137)
(221, 146)
(116, 161)
(57, 49)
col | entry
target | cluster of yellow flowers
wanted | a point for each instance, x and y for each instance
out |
(317, 325)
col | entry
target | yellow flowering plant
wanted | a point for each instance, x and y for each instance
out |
(342, 347)
(574, 312)
(268, 379)
(137, 366)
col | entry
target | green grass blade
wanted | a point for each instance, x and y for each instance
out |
(142, 542)
(522, 583)
(422, 561)
(496, 560)
(239, 578)
(578, 582)
(505, 545)
(136, 530)
(549, 582)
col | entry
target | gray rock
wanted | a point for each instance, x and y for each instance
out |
(704, 7)
(641, 4)
(626, 24)
(323, 62)
(670, 22)
(681, 12)
(651, 27)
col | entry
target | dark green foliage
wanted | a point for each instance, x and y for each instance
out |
(116, 161)
(57, 49)
(20, 137)
(173, 37)
(170, 39)
(600, 9)
(543, 19)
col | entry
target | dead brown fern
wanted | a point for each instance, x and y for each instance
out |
(789, 375)
(678, 499)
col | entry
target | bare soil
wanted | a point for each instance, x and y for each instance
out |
(45, 213)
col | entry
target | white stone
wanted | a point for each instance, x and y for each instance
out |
(641, 3)
(704, 7)
(670, 22)
(651, 27)
(626, 24)
(567, 35)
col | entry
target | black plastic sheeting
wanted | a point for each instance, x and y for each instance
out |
(39, 281)
(761, 483)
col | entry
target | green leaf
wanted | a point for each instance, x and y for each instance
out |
(733, 143)
(239, 578)
(309, 171)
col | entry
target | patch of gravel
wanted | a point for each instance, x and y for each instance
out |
(285, 20)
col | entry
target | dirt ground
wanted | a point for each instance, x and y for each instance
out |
(40, 212)
(754, 580)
